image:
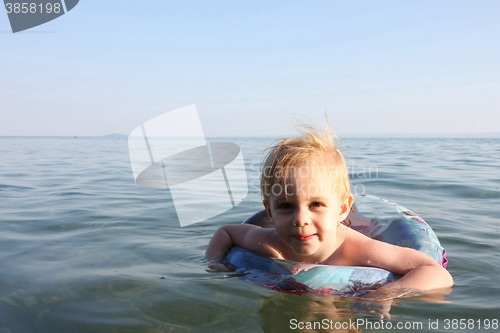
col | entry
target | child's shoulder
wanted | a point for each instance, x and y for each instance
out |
(356, 240)
(354, 237)
(247, 231)
(357, 245)
(362, 250)
(255, 238)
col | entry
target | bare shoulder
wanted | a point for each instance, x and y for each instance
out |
(355, 246)
(244, 233)
(355, 239)
(254, 238)
(364, 251)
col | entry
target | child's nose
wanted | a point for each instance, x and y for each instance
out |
(302, 218)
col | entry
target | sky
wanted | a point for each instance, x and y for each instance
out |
(256, 67)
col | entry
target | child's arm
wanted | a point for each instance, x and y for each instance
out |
(427, 275)
(228, 236)
(419, 271)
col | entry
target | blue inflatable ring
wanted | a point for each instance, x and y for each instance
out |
(375, 217)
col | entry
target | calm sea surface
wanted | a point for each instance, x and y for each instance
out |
(83, 249)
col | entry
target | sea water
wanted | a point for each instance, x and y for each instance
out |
(83, 249)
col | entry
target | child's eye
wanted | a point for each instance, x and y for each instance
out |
(316, 204)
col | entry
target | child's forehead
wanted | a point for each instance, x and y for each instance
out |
(321, 174)
(313, 168)
(319, 186)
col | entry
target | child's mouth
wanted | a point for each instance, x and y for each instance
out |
(305, 238)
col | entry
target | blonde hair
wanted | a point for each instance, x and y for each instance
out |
(289, 153)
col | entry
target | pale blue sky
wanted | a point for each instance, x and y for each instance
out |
(252, 66)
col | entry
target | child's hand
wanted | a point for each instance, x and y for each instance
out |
(301, 267)
(216, 266)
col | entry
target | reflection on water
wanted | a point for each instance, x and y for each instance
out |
(309, 314)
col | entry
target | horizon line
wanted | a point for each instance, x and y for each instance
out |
(346, 135)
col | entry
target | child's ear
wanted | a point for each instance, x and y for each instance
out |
(345, 207)
(268, 208)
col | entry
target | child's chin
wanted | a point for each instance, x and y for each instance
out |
(305, 250)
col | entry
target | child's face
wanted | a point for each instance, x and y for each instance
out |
(306, 212)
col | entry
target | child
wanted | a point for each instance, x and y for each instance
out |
(306, 194)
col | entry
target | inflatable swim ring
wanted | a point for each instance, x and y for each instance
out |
(375, 217)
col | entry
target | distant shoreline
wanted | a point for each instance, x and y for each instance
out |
(494, 135)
